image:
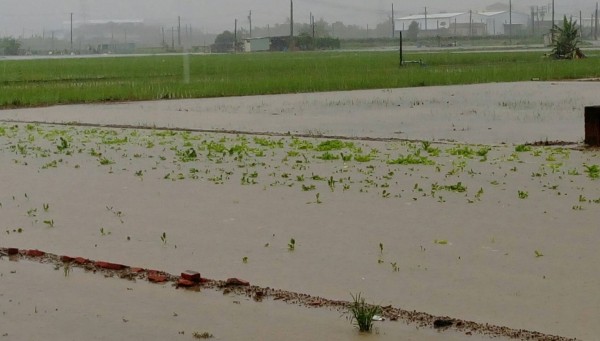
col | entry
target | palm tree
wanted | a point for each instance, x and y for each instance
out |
(565, 40)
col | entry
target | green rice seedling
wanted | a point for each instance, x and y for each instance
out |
(593, 171)
(163, 238)
(49, 223)
(318, 197)
(361, 313)
(346, 158)
(522, 148)
(105, 161)
(51, 164)
(333, 145)
(465, 151)
(458, 187)
(63, 144)
(479, 194)
(380, 247)
(327, 156)
(538, 254)
(45, 206)
(245, 260)
(395, 267)
(187, 155)
(483, 151)
(363, 157)
(331, 182)
(522, 194)
(292, 245)
(411, 159)
(203, 335)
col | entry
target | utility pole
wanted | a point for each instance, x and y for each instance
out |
(596, 23)
(291, 47)
(580, 24)
(179, 31)
(553, 21)
(312, 24)
(470, 23)
(425, 18)
(235, 36)
(532, 21)
(510, 22)
(172, 38)
(163, 36)
(250, 21)
(393, 22)
(71, 31)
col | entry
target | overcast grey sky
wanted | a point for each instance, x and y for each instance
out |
(214, 16)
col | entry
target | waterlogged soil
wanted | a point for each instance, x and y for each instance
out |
(483, 113)
(476, 230)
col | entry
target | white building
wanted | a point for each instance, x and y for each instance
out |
(464, 23)
(498, 23)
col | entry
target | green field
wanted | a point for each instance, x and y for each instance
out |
(60, 81)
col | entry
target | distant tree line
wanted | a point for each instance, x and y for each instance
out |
(9, 46)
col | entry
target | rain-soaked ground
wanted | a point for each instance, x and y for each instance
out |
(474, 229)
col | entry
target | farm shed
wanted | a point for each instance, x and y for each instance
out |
(257, 44)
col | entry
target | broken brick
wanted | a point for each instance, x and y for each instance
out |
(185, 283)
(155, 277)
(35, 253)
(136, 270)
(237, 282)
(80, 260)
(66, 259)
(109, 266)
(12, 251)
(192, 276)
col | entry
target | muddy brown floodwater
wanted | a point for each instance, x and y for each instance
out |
(475, 229)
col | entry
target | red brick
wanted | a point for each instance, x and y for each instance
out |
(192, 276)
(35, 253)
(109, 266)
(80, 260)
(136, 270)
(66, 259)
(237, 282)
(185, 283)
(12, 251)
(156, 277)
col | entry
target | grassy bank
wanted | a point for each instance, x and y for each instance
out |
(60, 81)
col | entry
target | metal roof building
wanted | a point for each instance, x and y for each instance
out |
(464, 23)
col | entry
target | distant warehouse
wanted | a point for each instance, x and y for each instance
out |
(464, 23)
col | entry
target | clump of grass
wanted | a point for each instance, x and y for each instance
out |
(411, 159)
(204, 335)
(522, 148)
(292, 244)
(592, 171)
(362, 313)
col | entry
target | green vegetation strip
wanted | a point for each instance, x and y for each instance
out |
(44, 82)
